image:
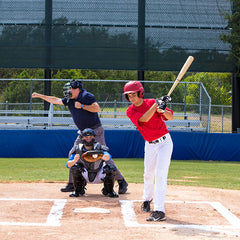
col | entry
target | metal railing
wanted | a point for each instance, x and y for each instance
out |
(191, 103)
(220, 121)
(60, 118)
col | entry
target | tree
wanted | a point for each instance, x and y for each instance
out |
(233, 38)
(218, 86)
(19, 91)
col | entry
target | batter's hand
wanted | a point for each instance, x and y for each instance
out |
(166, 99)
(162, 107)
(162, 103)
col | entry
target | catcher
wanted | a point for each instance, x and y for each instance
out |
(89, 164)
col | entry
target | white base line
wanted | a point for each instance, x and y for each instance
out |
(53, 219)
(232, 219)
(130, 219)
(129, 216)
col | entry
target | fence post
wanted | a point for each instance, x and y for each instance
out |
(6, 108)
(200, 101)
(31, 90)
(115, 108)
(222, 117)
(185, 102)
(50, 115)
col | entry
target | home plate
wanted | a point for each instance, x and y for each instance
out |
(91, 210)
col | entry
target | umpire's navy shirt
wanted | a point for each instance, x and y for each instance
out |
(82, 118)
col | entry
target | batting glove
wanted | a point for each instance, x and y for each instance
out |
(161, 105)
(166, 99)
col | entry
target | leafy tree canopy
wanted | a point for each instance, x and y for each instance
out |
(218, 85)
(234, 37)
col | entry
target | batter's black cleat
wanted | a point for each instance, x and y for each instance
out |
(122, 186)
(157, 216)
(146, 206)
(69, 188)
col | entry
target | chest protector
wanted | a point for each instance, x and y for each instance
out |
(92, 167)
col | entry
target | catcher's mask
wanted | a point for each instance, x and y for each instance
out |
(133, 86)
(73, 84)
(88, 132)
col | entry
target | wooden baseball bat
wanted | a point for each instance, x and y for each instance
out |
(181, 73)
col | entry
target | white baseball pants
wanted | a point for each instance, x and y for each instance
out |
(157, 158)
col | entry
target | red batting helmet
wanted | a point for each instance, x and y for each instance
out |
(133, 86)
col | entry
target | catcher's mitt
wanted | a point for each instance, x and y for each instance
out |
(93, 155)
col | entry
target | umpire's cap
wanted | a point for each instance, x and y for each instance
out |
(76, 84)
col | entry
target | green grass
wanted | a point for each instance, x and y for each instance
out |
(216, 174)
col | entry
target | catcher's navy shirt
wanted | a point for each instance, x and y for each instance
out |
(82, 118)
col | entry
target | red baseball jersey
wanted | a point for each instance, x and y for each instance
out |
(155, 127)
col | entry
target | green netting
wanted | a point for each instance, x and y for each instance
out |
(153, 35)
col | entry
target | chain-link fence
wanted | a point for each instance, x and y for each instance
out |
(155, 35)
(190, 103)
(221, 118)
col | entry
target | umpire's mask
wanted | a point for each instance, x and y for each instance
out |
(73, 84)
(67, 91)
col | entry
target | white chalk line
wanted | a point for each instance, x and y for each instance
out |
(130, 219)
(53, 218)
(129, 216)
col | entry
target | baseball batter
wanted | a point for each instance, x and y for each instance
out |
(148, 115)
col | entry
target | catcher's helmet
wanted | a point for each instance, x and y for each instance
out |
(88, 132)
(133, 86)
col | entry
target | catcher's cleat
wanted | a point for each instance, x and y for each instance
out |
(68, 188)
(122, 186)
(112, 194)
(157, 216)
(77, 194)
(108, 181)
(146, 206)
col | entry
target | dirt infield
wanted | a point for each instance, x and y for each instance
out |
(40, 211)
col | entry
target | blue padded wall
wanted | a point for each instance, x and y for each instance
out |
(122, 144)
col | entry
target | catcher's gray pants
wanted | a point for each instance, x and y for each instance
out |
(99, 131)
(98, 179)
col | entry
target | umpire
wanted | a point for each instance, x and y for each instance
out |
(84, 109)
